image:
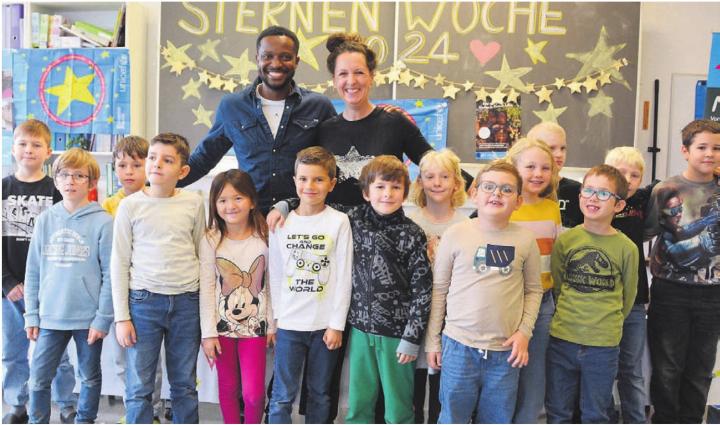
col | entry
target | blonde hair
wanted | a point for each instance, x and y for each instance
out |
(523, 145)
(34, 128)
(77, 158)
(447, 160)
(626, 155)
(546, 126)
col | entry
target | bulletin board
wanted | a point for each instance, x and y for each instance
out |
(572, 63)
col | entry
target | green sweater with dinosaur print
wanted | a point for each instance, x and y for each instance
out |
(595, 282)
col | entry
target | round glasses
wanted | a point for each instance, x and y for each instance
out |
(491, 187)
(75, 176)
(602, 194)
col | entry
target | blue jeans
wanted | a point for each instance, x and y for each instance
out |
(631, 383)
(476, 380)
(291, 349)
(531, 388)
(16, 366)
(176, 320)
(49, 349)
(579, 370)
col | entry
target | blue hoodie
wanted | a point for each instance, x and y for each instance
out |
(67, 279)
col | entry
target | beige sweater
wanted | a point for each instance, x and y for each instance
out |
(488, 283)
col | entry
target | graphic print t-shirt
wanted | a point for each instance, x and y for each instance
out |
(311, 271)
(22, 203)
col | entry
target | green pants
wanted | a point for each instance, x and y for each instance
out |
(373, 362)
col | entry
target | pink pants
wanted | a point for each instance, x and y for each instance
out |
(241, 358)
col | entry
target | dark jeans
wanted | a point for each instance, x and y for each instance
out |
(421, 379)
(683, 329)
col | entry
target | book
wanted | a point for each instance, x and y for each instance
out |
(44, 29)
(96, 32)
(118, 39)
(54, 31)
(12, 26)
(69, 41)
(72, 31)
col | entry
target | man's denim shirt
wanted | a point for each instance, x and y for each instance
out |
(240, 124)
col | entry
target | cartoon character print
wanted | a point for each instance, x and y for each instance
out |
(240, 297)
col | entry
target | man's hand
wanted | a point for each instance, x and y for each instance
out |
(125, 333)
(16, 293)
(95, 335)
(519, 356)
(332, 339)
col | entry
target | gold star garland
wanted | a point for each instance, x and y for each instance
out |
(399, 73)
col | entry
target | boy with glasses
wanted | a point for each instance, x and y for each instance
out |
(594, 269)
(69, 265)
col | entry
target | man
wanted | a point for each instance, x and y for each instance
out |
(267, 123)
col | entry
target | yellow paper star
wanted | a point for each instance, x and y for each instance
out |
(550, 114)
(601, 104)
(73, 88)
(599, 59)
(318, 89)
(590, 84)
(230, 85)
(177, 67)
(202, 116)
(510, 77)
(329, 83)
(105, 54)
(450, 91)
(244, 82)
(543, 94)
(216, 82)
(419, 103)
(439, 79)
(191, 88)
(393, 75)
(467, 85)
(420, 81)
(497, 96)
(604, 78)
(379, 78)
(559, 83)
(513, 96)
(204, 76)
(574, 87)
(174, 54)
(619, 64)
(239, 66)
(530, 88)
(481, 95)
(405, 78)
(207, 50)
(306, 46)
(534, 50)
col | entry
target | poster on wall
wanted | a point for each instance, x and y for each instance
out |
(497, 127)
(429, 115)
(73, 90)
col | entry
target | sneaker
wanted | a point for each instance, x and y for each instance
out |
(16, 417)
(67, 415)
(122, 420)
(156, 420)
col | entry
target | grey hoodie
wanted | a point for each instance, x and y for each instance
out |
(67, 280)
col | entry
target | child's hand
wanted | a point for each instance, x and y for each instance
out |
(332, 339)
(270, 339)
(125, 333)
(405, 358)
(519, 356)
(434, 360)
(212, 349)
(32, 333)
(16, 293)
(275, 219)
(94, 335)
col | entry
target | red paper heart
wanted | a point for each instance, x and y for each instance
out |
(484, 52)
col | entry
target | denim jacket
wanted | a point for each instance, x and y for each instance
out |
(240, 124)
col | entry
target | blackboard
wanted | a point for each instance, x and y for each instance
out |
(460, 43)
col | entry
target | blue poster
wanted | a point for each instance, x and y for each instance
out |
(430, 115)
(73, 90)
(714, 71)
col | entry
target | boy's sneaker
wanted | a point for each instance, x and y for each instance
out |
(122, 420)
(17, 416)
(67, 415)
(156, 420)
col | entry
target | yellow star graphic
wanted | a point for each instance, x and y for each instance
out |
(497, 96)
(239, 66)
(481, 95)
(513, 96)
(110, 120)
(419, 103)
(439, 79)
(559, 83)
(601, 104)
(191, 88)
(202, 116)
(174, 55)
(30, 115)
(543, 94)
(22, 87)
(405, 78)
(379, 78)
(420, 81)
(510, 77)
(306, 46)
(590, 84)
(105, 54)
(207, 50)
(550, 114)
(574, 87)
(604, 78)
(450, 91)
(467, 85)
(216, 82)
(599, 59)
(230, 85)
(534, 50)
(73, 88)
